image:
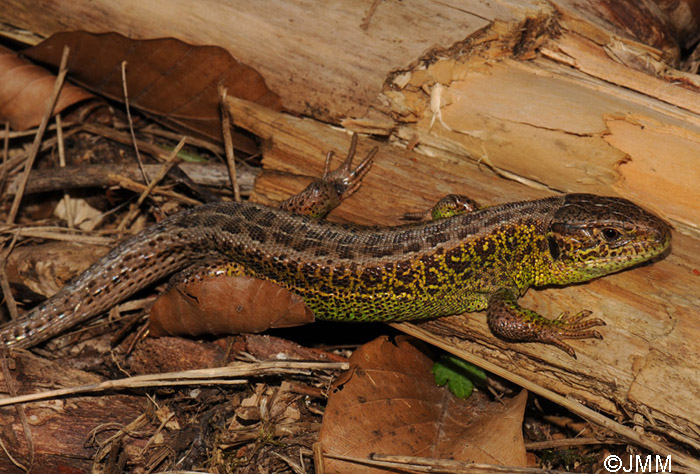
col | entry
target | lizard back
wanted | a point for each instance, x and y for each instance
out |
(342, 271)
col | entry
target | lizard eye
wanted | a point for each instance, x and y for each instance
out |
(611, 234)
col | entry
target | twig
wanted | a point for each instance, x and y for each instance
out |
(62, 164)
(228, 142)
(419, 464)
(152, 130)
(165, 168)
(128, 139)
(569, 442)
(20, 158)
(131, 122)
(220, 375)
(32, 131)
(132, 185)
(63, 70)
(12, 390)
(90, 176)
(5, 153)
(62, 234)
(4, 283)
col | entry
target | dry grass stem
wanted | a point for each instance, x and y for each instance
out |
(228, 143)
(34, 151)
(131, 122)
(164, 169)
(219, 375)
(59, 233)
(62, 164)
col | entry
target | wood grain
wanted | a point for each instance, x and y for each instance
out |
(557, 96)
(652, 334)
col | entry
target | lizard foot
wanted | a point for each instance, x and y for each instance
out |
(325, 194)
(510, 321)
(345, 179)
(567, 326)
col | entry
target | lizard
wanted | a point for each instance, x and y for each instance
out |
(464, 259)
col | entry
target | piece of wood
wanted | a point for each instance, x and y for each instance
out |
(61, 429)
(587, 98)
(653, 332)
(98, 175)
(555, 96)
(560, 95)
(337, 55)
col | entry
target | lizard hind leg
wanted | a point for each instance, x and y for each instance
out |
(204, 269)
(510, 321)
(325, 194)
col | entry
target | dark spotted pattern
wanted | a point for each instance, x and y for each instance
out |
(348, 272)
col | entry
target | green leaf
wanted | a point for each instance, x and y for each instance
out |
(459, 375)
(186, 156)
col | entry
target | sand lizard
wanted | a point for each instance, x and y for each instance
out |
(462, 260)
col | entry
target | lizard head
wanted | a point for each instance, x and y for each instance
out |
(590, 236)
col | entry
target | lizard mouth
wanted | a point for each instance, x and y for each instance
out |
(629, 256)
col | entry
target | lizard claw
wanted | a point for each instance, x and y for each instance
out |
(577, 323)
(345, 179)
(568, 326)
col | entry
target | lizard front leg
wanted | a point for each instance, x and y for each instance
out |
(510, 321)
(449, 206)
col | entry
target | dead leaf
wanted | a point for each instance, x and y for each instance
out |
(389, 404)
(166, 77)
(226, 305)
(46, 268)
(25, 89)
(84, 216)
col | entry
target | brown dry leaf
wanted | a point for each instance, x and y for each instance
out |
(166, 77)
(389, 404)
(25, 89)
(226, 305)
(83, 214)
(46, 268)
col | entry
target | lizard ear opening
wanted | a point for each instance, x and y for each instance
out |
(554, 250)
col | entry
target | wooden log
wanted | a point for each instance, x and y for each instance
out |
(560, 95)
(653, 334)
(65, 432)
(555, 97)
(92, 176)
